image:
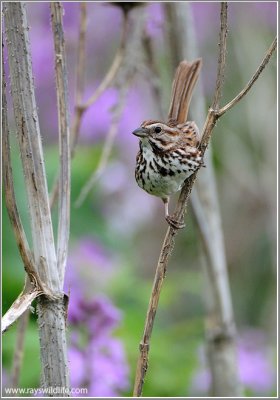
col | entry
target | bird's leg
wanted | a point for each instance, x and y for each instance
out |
(171, 220)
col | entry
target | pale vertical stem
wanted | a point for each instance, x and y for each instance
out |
(220, 326)
(64, 139)
(51, 313)
(53, 346)
(28, 132)
(219, 321)
(19, 348)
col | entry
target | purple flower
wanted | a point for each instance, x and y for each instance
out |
(97, 119)
(97, 359)
(109, 368)
(89, 267)
(100, 315)
(90, 253)
(77, 366)
(256, 371)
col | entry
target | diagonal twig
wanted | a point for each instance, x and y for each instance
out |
(251, 81)
(106, 82)
(107, 148)
(130, 66)
(108, 79)
(81, 108)
(168, 243)
(19, 306)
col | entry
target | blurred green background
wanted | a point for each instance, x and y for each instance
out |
(116, 234)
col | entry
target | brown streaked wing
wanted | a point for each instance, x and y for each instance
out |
(190, 133)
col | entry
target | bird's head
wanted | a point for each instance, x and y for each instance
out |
(159, 134)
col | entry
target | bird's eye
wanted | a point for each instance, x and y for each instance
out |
(157, 129)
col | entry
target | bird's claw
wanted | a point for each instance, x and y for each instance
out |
(174, 223)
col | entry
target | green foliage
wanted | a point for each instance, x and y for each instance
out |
(29, 377)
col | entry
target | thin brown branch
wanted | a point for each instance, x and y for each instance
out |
(222, 56)
(252, 80)
(144, 347)
(168, 242)
(64, 139)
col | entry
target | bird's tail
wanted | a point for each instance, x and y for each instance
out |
(182, 89)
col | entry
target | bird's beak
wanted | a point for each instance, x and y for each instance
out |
(141, 132)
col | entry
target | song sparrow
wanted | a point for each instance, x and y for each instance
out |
(169, 151)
